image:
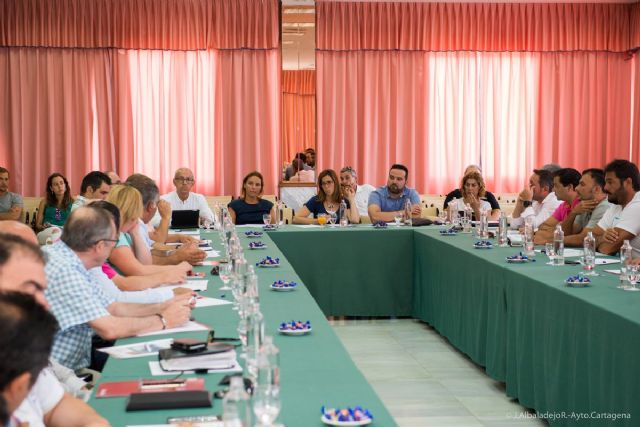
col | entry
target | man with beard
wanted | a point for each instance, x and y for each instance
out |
(537, 200)
(622, 220)
(10, 203)
(387, 201)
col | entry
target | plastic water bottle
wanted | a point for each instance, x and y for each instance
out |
(558, 245)
(626, 254)
(236, 408)
(589, 252)
(344, 221)
(268, 363)
(452, 208)
(280, 212)
(407, 213)
(529, 246)
(503, 228)
(484, 224)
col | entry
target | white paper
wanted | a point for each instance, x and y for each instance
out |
(209, 302)
(209, 262)
(191, 231)
(616, 272)
(606, 261)
(195, 285)
(207, 424)
(156, 370)
(212, 253)
(141, 349)
(307, 226)
(190, 326)
(249, 226)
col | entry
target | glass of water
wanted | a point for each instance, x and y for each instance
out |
(266, 218)
(633, 275)
(548, 249)
(266, 404)
(397, 218)
(224, 271)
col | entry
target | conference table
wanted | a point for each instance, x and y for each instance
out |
(569, 353)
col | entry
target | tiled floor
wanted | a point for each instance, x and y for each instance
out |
(423, 380)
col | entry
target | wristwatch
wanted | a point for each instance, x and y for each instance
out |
(164, 322)
(527, 203)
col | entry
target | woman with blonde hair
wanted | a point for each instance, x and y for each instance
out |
(474, 194)
(131, 256)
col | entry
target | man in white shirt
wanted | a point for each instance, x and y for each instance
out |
(622, 220)
(184, 199)
(95, 186)
(349, 179)
(22, 270)
(537, 200)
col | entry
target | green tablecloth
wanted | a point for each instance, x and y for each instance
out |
(315, 369)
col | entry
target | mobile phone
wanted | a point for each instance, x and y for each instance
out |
(188, 345)
(570, 262)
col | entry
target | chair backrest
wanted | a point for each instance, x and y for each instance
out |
(364, 219)
(288, 216)
(269, 197)
(432, 200)
(430, 212)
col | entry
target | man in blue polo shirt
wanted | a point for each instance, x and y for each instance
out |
(385, 202)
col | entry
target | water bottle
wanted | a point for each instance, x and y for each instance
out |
(280, 211)
(503, 228)
(626, 254)
(484, 224)
(466, 221)
(26, 216)
(407, 213)
(268, 363)
(236, 408)
(452, 208)
(255, 338)
(558, 245)
(589, 252)
(529, 246)
(344, 220)
(33, 219)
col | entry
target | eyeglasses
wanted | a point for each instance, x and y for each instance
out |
(185, 180)
(108, 240)
(327, 182)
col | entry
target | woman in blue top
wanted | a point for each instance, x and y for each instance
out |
(250, 208)
(56, 206)
(328, 200)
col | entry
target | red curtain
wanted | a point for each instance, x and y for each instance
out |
(151, 111)
(298, 112)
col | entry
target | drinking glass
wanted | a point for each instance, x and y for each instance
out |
(548, 249)
(442, 216)
(266, 404)
(322, 219)
(397, 218)
(266, 218)
(224, 271)
(589, 265)
(633, 275)
(332, 217)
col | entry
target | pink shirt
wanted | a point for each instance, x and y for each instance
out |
(108, 270)
(563, 210)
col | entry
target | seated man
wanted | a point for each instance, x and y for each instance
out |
(189, 251)
(22, 270)
(349, 180)
(10, 203)
(78, 302)
(184, 199)
(310, 159)
(95, 186)
(622, 220)
(565, 182)
(457, 194)
(389, 200)
(537, 200)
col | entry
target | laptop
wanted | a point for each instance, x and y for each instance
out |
(185, 219)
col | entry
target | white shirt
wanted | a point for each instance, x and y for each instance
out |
(539, 211)
(193, 202)
(362, 198)
(484, 206)
(146, 296)
(627, 218)
(45, 395)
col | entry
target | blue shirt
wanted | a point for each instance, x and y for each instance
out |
(316, 207)
(382, 198)
(76, 299)
(247, 213)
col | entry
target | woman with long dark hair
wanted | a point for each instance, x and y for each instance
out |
(56, 206)
(327, 200)
(250, 207)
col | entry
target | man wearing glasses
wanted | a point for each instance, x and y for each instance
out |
(184, 199)
(78, 301)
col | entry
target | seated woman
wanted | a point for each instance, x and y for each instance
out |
(328, 200)
(131, 256)
(300, 174)
(56, 206)
(474, 194)
(250, 208)
(456, 194)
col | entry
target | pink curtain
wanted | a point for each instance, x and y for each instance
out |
(212, 106)
(298, 111)
(418, 25)
(584, 112)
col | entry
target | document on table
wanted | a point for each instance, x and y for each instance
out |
(212, 253)
(206, 424)
(196, 285)
(616, 272)
(210, 302)
(190, 231)
(141, 349)
(606, 261)
(156, 370)
(190, 326)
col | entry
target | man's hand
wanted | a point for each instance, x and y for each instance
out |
(175, 276)
(585, 206)
(416, 210)
(610, 235)
(348, 192)
(526, 195)
(191, 254)
(188, 240)
(164, 209)
(182, 291)
(177, 313)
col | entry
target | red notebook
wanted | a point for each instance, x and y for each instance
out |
(125, 388)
